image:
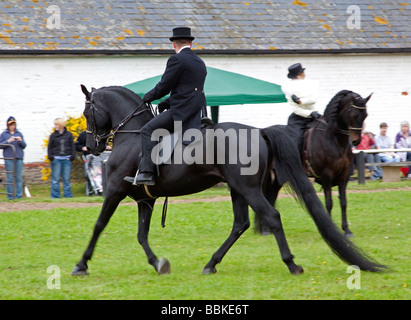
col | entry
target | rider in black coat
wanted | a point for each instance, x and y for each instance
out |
(184, 79)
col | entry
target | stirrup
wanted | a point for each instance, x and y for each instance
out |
(131, 179)
(135, 178)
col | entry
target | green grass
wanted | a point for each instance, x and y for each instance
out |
(31, 241)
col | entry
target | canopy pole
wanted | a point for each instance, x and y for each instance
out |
(214, 113)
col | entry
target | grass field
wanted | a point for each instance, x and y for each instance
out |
(32, 241)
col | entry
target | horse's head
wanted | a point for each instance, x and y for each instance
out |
(352, 115)
(98, 121)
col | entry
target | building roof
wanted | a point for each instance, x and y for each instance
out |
(92, 26)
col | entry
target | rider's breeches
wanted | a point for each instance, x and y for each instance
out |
(165, 121)
(299, 125)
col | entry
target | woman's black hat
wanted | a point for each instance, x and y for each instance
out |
(295, 70)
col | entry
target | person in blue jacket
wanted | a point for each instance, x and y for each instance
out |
(12, 136)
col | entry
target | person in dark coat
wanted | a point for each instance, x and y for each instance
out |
(184, 79)
(61, 152)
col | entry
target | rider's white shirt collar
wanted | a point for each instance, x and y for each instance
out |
(183, 48)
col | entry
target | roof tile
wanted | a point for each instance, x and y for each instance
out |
(216, 24)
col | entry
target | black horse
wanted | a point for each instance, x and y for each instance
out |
(327, 149)
(121, 112)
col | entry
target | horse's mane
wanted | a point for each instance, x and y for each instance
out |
(331, 111)
(122, 97)
(130, 95)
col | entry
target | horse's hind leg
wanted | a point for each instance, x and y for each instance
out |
(271, 217)
(241, 224)
(271, 193)
(145, 210)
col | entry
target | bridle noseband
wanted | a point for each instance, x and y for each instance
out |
(347, 132)
(360, 108)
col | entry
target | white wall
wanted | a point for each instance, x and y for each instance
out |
(384, 75)
(36, 90)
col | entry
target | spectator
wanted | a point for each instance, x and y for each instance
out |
(384, 142)
(367, 142)
(403, 140)
(81, 143)
(92, 164)
(61, 152)
(14, 137)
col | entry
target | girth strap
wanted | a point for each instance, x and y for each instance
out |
(148, 192)
(308, 148)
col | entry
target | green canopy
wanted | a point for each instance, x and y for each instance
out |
(225, 88)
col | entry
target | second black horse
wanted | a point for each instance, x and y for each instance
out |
(327, 150)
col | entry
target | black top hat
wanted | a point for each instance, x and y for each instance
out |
(295, 70)
(182, 33)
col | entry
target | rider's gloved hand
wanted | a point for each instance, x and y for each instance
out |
(315, 115)
(163, 105)
(147, 98)
(296, 99)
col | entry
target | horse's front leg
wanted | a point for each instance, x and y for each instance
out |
(343, 203)
(109, 206)
(145, 210)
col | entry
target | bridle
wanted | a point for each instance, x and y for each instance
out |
(116, 129)
(360, 108)
(347, 132)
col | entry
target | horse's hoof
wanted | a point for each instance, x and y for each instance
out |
(349, 234)
(209, 271)
(163, 266)
(78, 272)
(296, 270)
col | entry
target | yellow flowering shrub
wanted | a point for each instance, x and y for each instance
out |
(75, 125)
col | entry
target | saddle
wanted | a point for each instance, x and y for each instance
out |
(169, 143)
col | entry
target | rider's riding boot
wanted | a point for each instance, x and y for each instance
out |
(146, 178)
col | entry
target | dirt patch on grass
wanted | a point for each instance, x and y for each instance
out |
(10, 206)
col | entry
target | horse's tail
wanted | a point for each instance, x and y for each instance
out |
(288, 168)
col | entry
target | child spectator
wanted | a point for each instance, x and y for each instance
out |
(367, 142)
(384, 142)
